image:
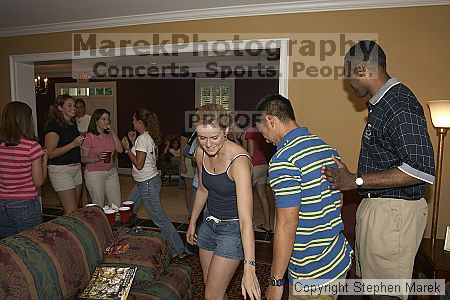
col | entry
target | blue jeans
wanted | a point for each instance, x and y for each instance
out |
(149, 192)
(19, 215)
(135, 197)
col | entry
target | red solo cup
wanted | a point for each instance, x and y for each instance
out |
(107, 157)
(111, 216)
(129, 204)
(125, 213)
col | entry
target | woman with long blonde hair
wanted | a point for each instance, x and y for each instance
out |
(226, 235)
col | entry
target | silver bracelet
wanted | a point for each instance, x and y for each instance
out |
(250, 262)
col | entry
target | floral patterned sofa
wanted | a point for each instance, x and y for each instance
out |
(56, 260)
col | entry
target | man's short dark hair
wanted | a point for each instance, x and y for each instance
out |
(368, 52)
(278, 106)
(79, 100)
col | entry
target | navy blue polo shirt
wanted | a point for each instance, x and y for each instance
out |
(396, 136)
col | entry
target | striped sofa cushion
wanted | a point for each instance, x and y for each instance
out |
(56, 259)
(149, 251)
(173, 284)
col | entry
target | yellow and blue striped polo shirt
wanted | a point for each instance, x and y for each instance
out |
(321, 252)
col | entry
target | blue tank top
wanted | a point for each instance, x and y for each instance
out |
(222, 197)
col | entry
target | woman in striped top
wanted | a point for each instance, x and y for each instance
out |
(23, 167)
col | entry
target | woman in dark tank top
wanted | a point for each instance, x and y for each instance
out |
(226, 235)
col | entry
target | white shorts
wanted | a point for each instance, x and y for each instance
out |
(65, 177)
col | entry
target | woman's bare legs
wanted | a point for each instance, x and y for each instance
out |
(261, 195)
(79, 191)
(69, 199)
(187, 190)
(217, 274)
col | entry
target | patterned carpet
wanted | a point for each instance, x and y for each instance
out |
(234, 289)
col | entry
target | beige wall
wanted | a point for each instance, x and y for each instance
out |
(416, 41)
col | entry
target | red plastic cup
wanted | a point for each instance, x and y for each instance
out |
(107, 157)
(111, 216)
(129, 204)
(125, 214)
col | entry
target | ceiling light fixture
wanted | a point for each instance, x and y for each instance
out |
(40, 85)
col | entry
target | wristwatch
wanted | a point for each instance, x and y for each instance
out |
(359, 181)
(276, 282)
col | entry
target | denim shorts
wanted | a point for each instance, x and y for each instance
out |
(223, 238)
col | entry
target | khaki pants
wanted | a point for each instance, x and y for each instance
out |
(101, 183)
(388, 235)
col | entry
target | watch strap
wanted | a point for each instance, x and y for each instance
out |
(276, 282)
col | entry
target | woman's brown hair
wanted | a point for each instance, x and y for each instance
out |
(97, 115)
(56, 114)
(150, 122)
(16, 122)
(154, 130)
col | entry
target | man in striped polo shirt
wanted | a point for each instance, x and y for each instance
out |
(308, 235)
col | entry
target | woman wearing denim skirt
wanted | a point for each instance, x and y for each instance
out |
(226, 235)
(145, 174)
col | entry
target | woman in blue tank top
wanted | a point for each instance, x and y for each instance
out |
(226, 235)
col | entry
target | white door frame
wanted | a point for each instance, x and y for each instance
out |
(22, 66)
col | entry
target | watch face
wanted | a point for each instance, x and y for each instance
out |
(359, 181)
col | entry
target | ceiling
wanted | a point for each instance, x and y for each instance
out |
(38, 12)
(23, 17)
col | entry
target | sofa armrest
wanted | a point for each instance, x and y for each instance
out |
(56, 259)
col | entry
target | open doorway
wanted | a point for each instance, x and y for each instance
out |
(22, 67)
(170, 97)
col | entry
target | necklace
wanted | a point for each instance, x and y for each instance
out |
(214, 165)
(215, 157)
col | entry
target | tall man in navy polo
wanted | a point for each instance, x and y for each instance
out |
(395, 163)
(308, 235)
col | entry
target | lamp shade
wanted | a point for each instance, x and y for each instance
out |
(440, 113)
